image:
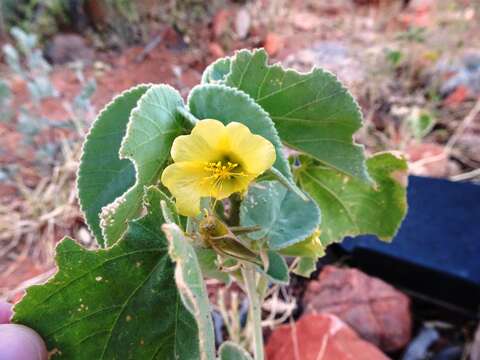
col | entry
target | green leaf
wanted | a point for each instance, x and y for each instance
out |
(189, 280)
(313, 112)
(116, 303)
(395, 57)
(274, 174)
(277, 268)
(226, 105)
(207, 259)
(216, 72)
(349, 206)
(231, 351)
(169, 210)
(153, 126)
(310, 247)
(285, 218)
(305, 267)
(102, 176)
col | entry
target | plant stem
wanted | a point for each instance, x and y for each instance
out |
(234, 215)
(249, 276)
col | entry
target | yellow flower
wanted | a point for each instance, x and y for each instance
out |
(215, 161)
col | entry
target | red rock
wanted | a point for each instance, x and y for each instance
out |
(272, 44)
(216, 50)
(64, 48)
(319, 337)
(458, 96)
(375, 310)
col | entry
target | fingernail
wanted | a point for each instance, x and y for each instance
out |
(21, 343)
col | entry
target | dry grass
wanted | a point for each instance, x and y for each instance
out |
(31, 225)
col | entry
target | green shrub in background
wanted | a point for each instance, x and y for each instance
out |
(115, 23)
(41, 17)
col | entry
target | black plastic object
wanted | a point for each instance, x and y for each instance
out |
(436, 253)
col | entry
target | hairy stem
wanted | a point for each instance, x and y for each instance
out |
(249, 276)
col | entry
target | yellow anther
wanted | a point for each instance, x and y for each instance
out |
(221, 171)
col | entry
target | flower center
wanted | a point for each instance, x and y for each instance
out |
(222, 170)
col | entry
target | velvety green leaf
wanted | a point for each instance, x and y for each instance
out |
(313, 112)
(118, 303)
(285, 218)
(169, 208)
(153, 126)
(231, 351)
(351, 207)
(217, 71)
(189, 280)
(226, 105)
(305, 267)
(207, 258)
(277, 268)
(102, 175)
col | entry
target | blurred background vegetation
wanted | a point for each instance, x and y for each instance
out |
(116, 22)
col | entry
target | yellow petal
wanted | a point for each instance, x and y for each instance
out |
(203, 144)
(228, 187)
(184, 180)
(255, 153)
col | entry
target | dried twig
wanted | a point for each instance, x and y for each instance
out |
(466, 176)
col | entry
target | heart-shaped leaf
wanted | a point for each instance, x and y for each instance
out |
(313, 112)
(216, 72)
(153, 126)
(102, 175)
(118, 303)
(284, 217)
(351, 207)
